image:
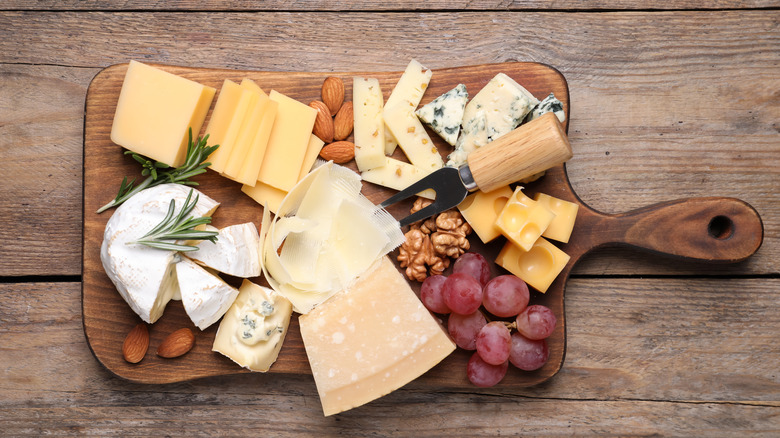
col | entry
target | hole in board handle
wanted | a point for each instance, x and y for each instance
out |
(720, 227)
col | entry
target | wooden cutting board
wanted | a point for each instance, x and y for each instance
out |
(712, 229)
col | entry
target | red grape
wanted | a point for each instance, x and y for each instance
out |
(484, 374)
(462, 293)
(505, 296)
(431, 294)
(527, 354)
(536, 322)
(464, 328)
(494, 342)
(474, 264)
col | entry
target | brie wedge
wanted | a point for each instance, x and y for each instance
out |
(145, 277)
(205, 296)
(236, 251)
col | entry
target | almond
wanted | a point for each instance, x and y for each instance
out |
(343, 122)
(339, 152)
(333, 93)
(176, 344)
(136, 343)
(323, 124)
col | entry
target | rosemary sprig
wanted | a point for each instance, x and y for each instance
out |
(178, 227)
(155, 175)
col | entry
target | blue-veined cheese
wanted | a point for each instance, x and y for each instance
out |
(254, 327)
(548, 105)
(445, 113)
(473, 136)
(505, 103)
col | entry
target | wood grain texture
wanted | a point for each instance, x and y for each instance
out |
(107, 318)
(374, 5)
(649, 91)
(645, 356)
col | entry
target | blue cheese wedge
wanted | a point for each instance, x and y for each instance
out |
(253, 329)
(505, 103)
(474, 135)
(445, 113)
(548, 105)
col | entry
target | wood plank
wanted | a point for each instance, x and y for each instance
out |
(653, 356)
(374, 5)
(628, 102)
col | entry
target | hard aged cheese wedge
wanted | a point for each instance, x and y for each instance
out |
(412, 137)
(398, 175)
(253, 329)
(145, 277)
(236, 251)
(155, 111)
(205, 296)
(369, 125)
(409, 90)
(371, 339)
(445, 113)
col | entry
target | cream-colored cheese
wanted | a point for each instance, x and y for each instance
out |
(205, 296)
(236, 251)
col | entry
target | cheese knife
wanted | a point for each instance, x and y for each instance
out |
(529, 149)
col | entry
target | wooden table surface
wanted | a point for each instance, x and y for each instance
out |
(665, 104)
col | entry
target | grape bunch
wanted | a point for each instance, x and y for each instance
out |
(464, 294)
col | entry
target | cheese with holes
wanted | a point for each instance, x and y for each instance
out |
(398, 175)
(539, 266)
(371, 339)
(408, 90)
(205, 296)
(288, 142)
(565, 214)
(481, 209)
(523, 220)
(236, 251)
(146, 277)
(155, 112)
(445, 113)
(369, 128)
(253, 329)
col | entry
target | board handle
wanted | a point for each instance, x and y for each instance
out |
(712, 229)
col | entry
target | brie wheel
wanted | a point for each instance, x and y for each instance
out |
(236, 251)
(205, 296)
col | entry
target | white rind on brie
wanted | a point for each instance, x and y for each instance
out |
(145, 277)
(205, 296)
(236, 251)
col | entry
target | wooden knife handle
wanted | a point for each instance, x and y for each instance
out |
(528, 150)
(713, 229)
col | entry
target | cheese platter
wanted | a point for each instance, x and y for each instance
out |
(709, 229)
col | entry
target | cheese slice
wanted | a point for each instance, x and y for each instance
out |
(408, 91)
(219, 158)
(398, 175)
(236, 251)
(253, 329)
(245, 152)
(205, 296)
(312, 151)
(155, 112)
(445, 113)
(370, 340)
(223, 113)
(412, 137)
(369, 129)
(288, 142)
(145, 277)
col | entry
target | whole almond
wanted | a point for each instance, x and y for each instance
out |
(343, 122)
(339, 152)
(333, 93)
(136, 343)
(323, 124)
(176, 344)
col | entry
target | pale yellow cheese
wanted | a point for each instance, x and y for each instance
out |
(565, 214)
(369, 128)
(250, 168)
(265, 195)
(539, 266)
(155, 112)
(481, 210)
(288, 142)
(523, 220)
(412, 137)
(312, 151)
(370, 340)
(253, 329)
(398, 175)
(409, 89)
(245, 141)
(223, 113)
(219, 158)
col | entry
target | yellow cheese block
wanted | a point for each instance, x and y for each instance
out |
(239, 153)
(565, 213)
(155, 112)
(398, 175)
(288, 142)
(369, 128)
(370, 340)
(223, 113)
(253, 160)
(523, 220)
(538, 266)
(481, 210)
(245, 102)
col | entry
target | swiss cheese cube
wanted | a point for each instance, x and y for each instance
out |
(370, 340)
(155, 112)
(539, 266)
(481, 210)
(565, 213)
(523, 220)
